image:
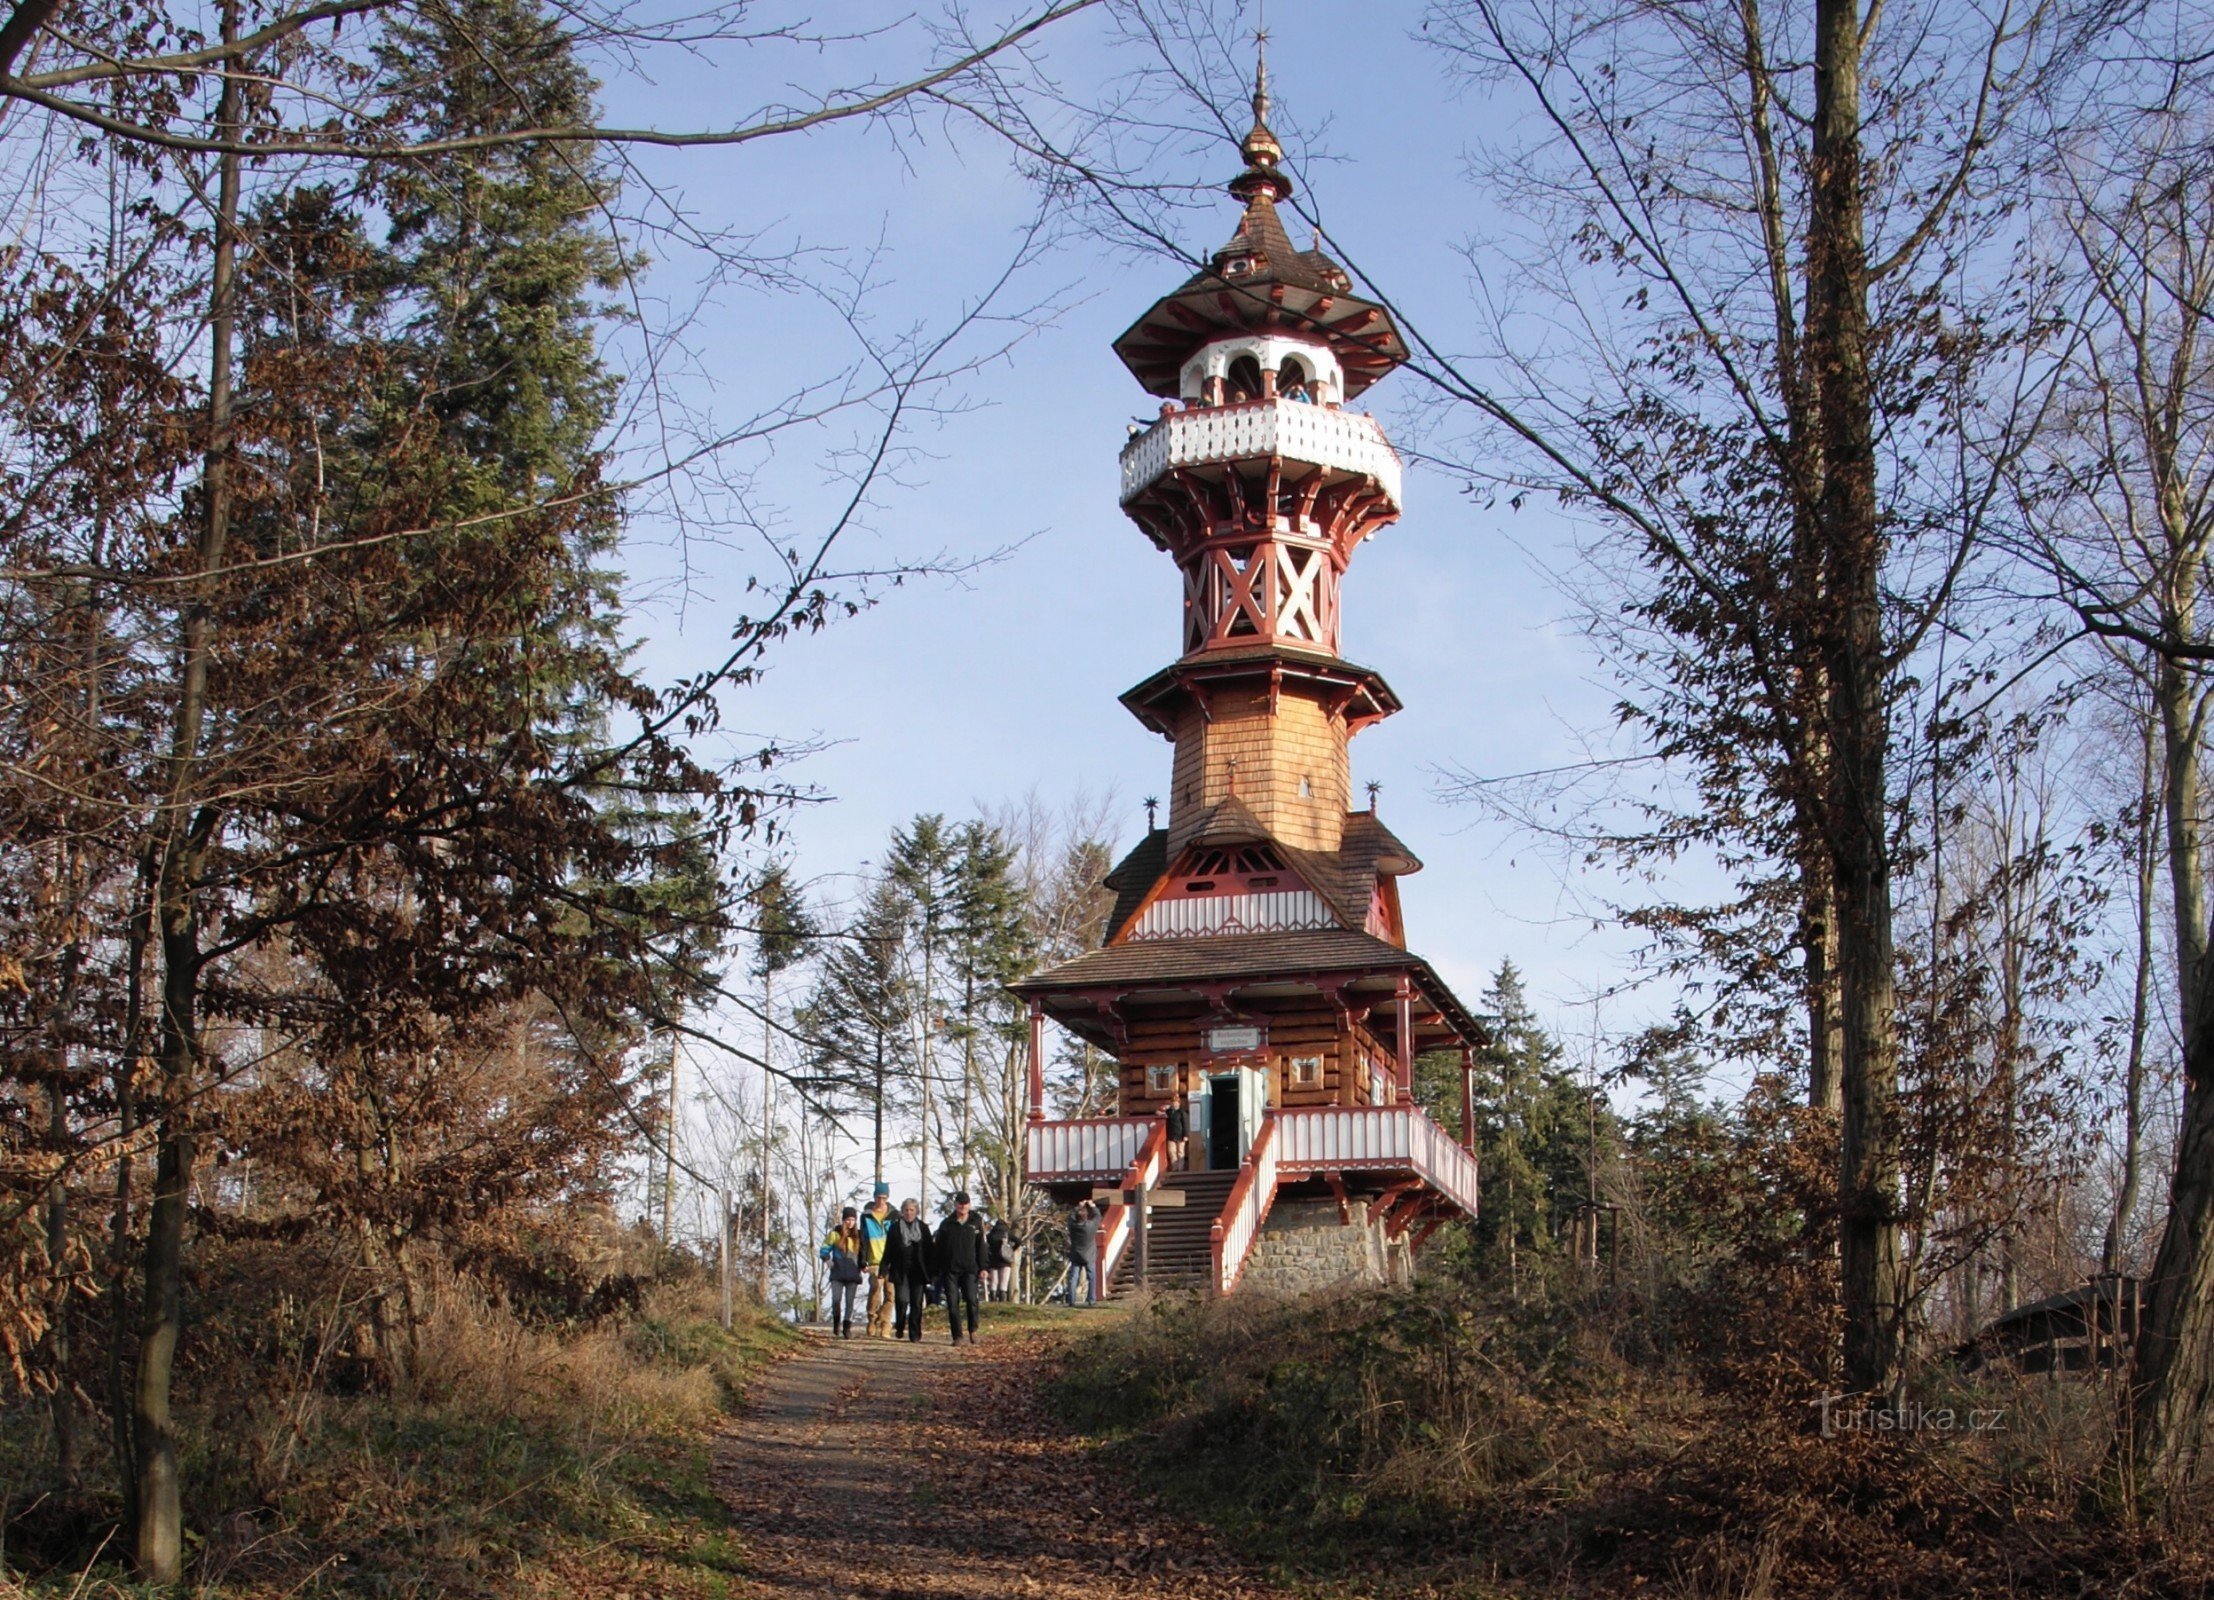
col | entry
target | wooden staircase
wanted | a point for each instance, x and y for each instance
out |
(1179, 1248)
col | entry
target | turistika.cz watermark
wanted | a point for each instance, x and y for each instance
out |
(1860, 1413)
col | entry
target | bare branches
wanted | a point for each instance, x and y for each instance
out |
(364, 144)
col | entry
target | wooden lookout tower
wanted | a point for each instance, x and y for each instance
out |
(1255, 961)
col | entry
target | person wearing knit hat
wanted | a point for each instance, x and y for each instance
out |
(876, 1231)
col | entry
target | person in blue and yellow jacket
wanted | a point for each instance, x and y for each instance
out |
(876, 1228)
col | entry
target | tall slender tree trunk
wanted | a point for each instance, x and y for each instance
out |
(968, 1076)
(68, 1442)
(768, 1118)
(2140, 1009)
(877, 1130)
(1825, 1016)
(668, 1146)
(1859, 712)
(187, 830)
(2172, 1383)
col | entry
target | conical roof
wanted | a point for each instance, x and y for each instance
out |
(1260, 282)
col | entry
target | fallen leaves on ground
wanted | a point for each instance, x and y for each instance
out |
(868, 1471)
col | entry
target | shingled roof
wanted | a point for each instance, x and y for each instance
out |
(1237, 955)
(1260, 279)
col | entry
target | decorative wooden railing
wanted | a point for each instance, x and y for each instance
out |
(1244, 1210)
(1388, 1138)
(1094, 1149)
(1117, 1226)
(1346, 440)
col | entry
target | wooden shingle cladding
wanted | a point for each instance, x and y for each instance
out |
(1283, 755)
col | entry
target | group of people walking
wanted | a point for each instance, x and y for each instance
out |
(905, 1266)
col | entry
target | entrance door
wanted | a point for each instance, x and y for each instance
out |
(1222, 1121)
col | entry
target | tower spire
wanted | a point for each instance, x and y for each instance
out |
(1263, 154)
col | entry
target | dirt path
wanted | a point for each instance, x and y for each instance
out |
(865, 1468)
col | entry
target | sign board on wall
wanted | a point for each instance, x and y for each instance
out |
(1232, 1038)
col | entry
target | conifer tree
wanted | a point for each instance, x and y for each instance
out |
(1531, 1135)
(859, 1019)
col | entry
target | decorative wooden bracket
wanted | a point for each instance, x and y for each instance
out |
(1409, 1208)
(1110, 1012)
(1336, 1181)
(1390, 1197)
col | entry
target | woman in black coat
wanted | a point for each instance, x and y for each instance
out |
(908, 1263)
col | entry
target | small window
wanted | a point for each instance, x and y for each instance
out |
(1160, 1080)
(1306, 787)
(1306, 1071)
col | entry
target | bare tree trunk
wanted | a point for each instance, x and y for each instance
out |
(187, 832)
(138, 941)
(1825, 1016)
(1859, 726)
(668, 1146)
(2173, 1381)
(2182, 715)
(2140, 1012)
(878, 1130)
(68, 1446)
(768, 1122)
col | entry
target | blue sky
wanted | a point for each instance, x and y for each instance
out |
(949, 695)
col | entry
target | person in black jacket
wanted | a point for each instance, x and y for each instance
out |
(959, 1253)
(907, 1264)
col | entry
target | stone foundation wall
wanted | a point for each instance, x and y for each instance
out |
(1305, 1246)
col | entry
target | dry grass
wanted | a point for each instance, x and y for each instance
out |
(1465, 1446)
(511, 1460)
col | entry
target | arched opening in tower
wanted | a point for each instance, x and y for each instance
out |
(1244, 382)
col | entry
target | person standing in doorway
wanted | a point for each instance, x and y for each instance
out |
(907, 1265)
(876, 1227)
(1179, 1130)
(842, 1249)
(959, 1252)
(1084, 1252)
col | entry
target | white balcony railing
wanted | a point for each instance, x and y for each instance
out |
(1119, 1224)
(1346, 440)
(1090, 1149)
(1245, 1208)
(1388, 1138)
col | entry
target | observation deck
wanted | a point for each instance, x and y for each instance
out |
(1347, 442)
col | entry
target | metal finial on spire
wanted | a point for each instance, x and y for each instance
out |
(1152, 803)
(1260, 148)
(1373, 787)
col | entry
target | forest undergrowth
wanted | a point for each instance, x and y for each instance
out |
(518, 1455)
(1450, 1440)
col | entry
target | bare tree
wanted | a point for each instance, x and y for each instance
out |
(2119, 510)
